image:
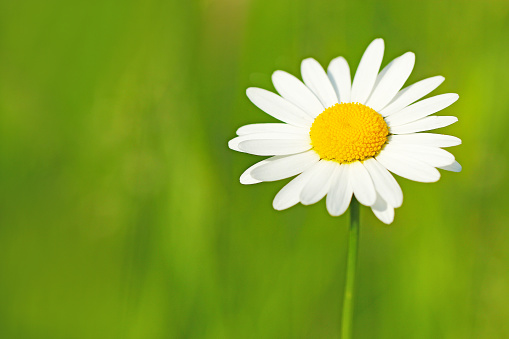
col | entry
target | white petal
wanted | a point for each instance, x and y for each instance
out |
(424, 124)
(454, 167)
(383, 211)
(410, 94)
(391, 81)
(316, 79)
(421, 109)
(339, 75)
(433, 156)
(318, 186)
(247, 179)
(382, 73)
(427, 139)
(340, 193)
(275, 146)
(278, 107)
(409, 168)
(293, 90)
(367, 71)
(234, 143)
(362, 184)
(384, 182)
(271, 128)
(285, 167)
(289, 195)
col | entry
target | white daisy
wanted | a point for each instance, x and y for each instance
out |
(342, 137)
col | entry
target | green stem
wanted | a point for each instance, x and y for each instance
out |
(351, 263)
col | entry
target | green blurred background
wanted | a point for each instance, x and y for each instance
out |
(121, 213)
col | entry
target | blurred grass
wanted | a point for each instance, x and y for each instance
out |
(121, 215)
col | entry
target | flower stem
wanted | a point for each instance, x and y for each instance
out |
(351, 263)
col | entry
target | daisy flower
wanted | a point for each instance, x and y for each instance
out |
(342, 138)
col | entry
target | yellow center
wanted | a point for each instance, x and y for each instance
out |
(348, 132)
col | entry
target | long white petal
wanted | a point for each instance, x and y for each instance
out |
(424, 124)
(275, 146)
(382, 73)
(454, 167)
(427, 139)
(391, 81)
(410, 94)
(339, 75)
(289, 195)
(293, 90)
(318, 186)
(422, 109)
(367, 71)
(383, 211)
(271, 128)
(278, 107)
(361, 182)
(409, 168)
(340, 193)
(432, 156)
(316, 79)
(384, 182)
(234, 143)
(285, 167)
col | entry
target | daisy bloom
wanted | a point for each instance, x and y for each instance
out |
(342, 138)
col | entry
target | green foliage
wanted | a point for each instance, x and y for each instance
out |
(121, 214)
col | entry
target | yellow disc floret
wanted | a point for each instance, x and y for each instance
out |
(348, 132)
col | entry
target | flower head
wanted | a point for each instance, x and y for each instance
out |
(341, 138)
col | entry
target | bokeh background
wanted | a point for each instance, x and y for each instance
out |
(121, 213)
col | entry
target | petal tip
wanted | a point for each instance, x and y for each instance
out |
(454, 167)
(245, 180)
(279, 206)
(337, 60)
(331, 212)
(398, 205)
(410, 55)
(432, 180)
(278, 73)
(438, 79)
(238, 132)
(232, 144)
(387, 222)
(379, 43)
